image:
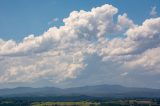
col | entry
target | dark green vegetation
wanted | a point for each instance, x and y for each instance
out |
(27, 101)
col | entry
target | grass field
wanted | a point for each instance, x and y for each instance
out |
(64, 104)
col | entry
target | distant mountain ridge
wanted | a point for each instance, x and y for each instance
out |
(93, 91)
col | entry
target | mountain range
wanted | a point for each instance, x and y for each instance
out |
(92, 91)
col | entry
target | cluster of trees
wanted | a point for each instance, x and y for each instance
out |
(119, 102)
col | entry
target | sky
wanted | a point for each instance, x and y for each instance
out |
(68, 43)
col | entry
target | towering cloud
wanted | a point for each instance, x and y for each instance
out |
(63, 53)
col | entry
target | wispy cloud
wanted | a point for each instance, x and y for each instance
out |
(153, 12)
(53, 21)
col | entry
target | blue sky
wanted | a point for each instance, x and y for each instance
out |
(66, 43)
(20, 18)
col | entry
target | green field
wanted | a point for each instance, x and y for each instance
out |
(64, 104)
(49, 102)
(111, 103)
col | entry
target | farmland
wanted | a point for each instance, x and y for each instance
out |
(82, 103)
(29, 101)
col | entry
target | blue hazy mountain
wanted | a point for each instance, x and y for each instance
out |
(93, 91)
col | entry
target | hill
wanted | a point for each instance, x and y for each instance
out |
(115, 91)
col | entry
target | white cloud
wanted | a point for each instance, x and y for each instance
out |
(125, 22)
(63, 53)
(149, 60)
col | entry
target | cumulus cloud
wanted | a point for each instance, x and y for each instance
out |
(62, 54)
(149, 60)
(124, 22)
